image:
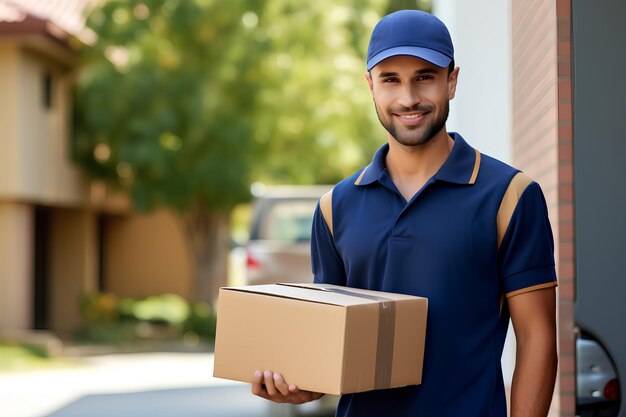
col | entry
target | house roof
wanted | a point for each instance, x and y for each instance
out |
(52, 18)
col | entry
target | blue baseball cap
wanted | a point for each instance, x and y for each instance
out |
(410, 32)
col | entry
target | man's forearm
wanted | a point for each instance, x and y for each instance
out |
(534, 377)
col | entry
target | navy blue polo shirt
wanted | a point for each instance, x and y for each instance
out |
(476, 233)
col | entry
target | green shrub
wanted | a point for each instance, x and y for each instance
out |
(201, 321)
(99, 308)
(163, 309)
(107, 333)
(115, 321)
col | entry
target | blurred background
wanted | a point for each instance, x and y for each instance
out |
(153, 151)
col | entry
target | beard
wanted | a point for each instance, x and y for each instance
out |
(414, 136)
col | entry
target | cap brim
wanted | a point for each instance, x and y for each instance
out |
(434, 57)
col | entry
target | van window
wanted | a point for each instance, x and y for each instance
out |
(288, 221)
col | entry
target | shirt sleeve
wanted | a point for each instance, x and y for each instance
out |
(326, 262)
(527, 250)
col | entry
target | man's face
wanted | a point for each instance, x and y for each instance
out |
(411, 97)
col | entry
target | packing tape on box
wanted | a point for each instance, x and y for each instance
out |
(385, 336)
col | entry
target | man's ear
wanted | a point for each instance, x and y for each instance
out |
(370, 83)
(453, 77)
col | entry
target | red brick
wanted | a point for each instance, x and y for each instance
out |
(564, 67)
(565, 151)
(566, 249)
(566, 175)
(564, 8)
(565, 142)
(566, 291)
(563, 283)
(566, 326)
(566, 193)
(566, 312)
(566, 336)
(564, 48)
(565, 147)
(565, 383)
(566, 213)
(565, 37)
(566, 270)
(567, 365)
(566, 230)
(565, 89)
(565, 131)
(566, 321)
(566, 257)
(564, 280)
(563, 28)
(568, 405)
(565, 111)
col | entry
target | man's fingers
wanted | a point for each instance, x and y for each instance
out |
(269, 383)
(299, 395)
(257, 381)
(303, 396)
(272, 386)
(280, 384)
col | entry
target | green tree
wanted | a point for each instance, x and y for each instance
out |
(315, 122)
(183, 102)
(164, 110)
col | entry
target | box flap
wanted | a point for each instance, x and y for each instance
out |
(357, 291)
(303, 294)
(322, 293)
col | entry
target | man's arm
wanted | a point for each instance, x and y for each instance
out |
(534, 321)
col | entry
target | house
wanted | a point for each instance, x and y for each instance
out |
(63, 234)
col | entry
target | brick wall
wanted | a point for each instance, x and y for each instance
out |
(567, 271)
(542, 147)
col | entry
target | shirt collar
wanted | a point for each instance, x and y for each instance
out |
(461, 167)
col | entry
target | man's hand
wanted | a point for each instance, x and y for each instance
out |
(271, 386)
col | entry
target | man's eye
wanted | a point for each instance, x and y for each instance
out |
(424, 77)
(390, 80)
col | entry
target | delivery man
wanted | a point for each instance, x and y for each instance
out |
(433, 217)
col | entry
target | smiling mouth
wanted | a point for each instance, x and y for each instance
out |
(411, 116)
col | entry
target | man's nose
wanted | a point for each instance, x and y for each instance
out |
(409, 96)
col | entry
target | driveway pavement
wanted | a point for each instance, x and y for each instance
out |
(137, 385)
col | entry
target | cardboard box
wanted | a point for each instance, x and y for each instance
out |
(323, 338)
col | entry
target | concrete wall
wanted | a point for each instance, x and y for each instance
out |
(16, 247)
(48, 174)
(146, 255)
(37, 164)
(9, 120)
(481, 111)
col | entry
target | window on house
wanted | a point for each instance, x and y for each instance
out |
(47, 90)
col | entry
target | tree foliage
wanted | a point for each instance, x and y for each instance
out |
(187, 101)
(184, 102)
(166, 98)
(315, 121)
